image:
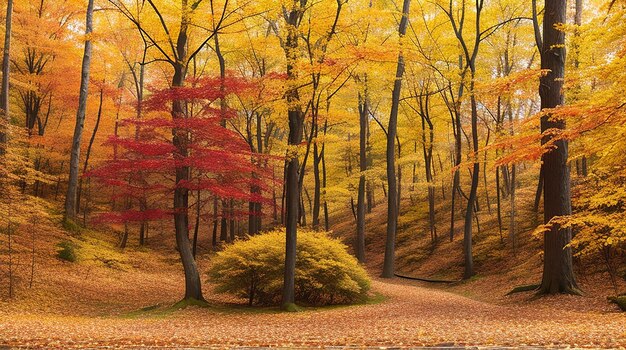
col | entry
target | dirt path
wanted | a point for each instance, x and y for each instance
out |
(412, 315)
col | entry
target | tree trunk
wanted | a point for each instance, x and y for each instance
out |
(506, 179)
(254, 208)
(360, 211)
(499, 207)
(10, 253)
(323, 156)
(196, 226)
(317, 182)
(302, 210)
(512, 228)
(427, 150)
(399, 182)
(4, 90)
(486, 185)
(274, 201)
(70, 198)
(295, 137)
(467, 231)
(456, 124)
(371, 202)
(215, 223)
(539, 188)
(88, 153)
(252, 221)
(232, 220)
(143, 230)
(392, 197)
(283, 194)
(180, 140)
(124, 240)
(558, 274)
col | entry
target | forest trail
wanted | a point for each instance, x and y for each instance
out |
(410, 315)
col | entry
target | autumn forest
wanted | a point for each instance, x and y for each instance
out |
(313, 173)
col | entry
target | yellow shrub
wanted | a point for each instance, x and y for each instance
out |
(325, 272)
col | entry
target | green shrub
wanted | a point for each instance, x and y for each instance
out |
(67, 251)
(325, 272)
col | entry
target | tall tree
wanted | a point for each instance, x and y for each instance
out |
(423, 101)
(179, 58)
(392, 130)
(4, 91)
(469, 53)
(558, 274)
(180, 140)
(72, 186)
(296, 118)
(360, 208)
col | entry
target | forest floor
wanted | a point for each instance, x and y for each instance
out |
(112, 298)
(409, 315)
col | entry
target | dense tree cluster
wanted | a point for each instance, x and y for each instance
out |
(226, 118)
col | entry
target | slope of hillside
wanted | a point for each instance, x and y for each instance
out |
(498, 268)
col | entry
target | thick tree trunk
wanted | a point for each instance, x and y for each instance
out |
(4, 90)
(193, 289)
(295, 137)
(180, 140)
(292, 206)
(70, 198)
(181, 194)
(558, 274)
(392, 197)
